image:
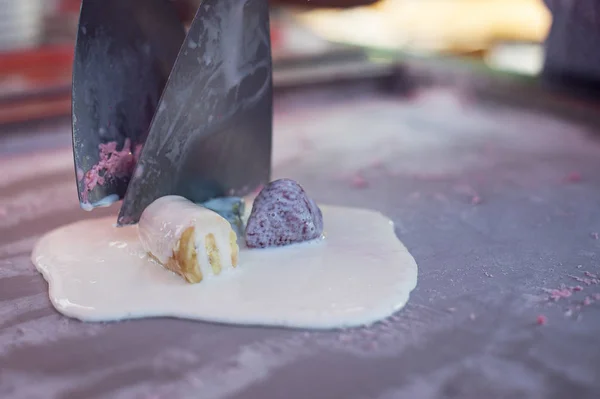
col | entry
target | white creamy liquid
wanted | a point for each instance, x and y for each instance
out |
(359, 274)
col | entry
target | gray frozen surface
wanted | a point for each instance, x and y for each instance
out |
(497, 207)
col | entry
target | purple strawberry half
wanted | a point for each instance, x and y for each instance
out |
(283, 214)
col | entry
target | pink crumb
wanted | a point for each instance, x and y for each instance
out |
(467, 189)
(113, 163)
(587, 301)
(577, 288)
(555, 295)
(359, 182)
(573, 177)
(137, 151)
(585, 281)
(377, 164)
(542, 320)
(594, 235)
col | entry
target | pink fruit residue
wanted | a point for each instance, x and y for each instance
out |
(577, 303)
(586, 281)
(113, 163)
(359, 182)
(476, 200)
(555, 295)
(542, 320)
(467, 189)
(573, 177)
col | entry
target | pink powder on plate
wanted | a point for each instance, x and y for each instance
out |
(359, 182)
(585, 281)
(573, 177)
(557, 294)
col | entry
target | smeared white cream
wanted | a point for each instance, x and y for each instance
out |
(359, 274)
(103, 203)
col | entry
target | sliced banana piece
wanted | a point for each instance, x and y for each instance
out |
(188, 239)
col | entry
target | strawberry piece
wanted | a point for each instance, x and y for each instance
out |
(283, 214)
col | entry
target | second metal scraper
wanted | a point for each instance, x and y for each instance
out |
(211, 134)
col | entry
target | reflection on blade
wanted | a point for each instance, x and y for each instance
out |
(211, 134)
(123, 56)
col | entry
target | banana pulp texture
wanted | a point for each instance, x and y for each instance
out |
(188, 239)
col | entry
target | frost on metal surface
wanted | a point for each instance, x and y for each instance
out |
(211, 135)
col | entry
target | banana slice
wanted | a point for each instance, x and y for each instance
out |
(188, 239)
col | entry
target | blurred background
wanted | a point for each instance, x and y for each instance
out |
(37, 37)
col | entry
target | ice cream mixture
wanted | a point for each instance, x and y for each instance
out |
(358, 274)
(113, 164)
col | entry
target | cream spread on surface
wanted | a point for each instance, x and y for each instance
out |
(358, 274)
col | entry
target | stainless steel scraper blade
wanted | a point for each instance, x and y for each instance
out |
(123, 56)
(211, 135)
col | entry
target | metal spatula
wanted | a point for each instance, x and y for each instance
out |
(124, 53)
(211, 134)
